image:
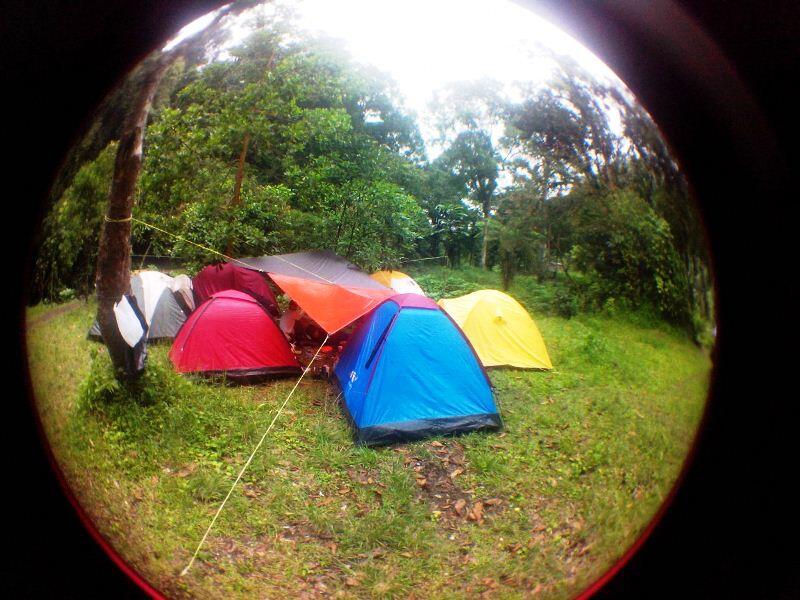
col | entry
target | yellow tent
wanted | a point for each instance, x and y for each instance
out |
(399, 282)
(500, 329)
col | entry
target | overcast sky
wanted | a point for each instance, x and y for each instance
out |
(424, 44)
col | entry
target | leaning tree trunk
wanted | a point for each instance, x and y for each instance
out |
(114, 253)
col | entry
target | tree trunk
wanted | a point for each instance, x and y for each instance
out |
(114, 253)
(485, 248)
(237, 188)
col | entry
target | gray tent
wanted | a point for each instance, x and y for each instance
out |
(162, 310)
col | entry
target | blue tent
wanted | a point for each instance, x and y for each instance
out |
(408, 372)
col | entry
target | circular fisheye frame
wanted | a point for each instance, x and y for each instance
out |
(323, 307)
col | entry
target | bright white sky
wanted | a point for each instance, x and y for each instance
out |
(427, 43)
(424, 44)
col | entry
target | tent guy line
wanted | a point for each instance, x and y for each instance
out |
(183, 239)
(305, 270)
(249, 460)
(236, 260)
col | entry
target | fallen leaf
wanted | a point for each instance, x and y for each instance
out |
(476, 514)
(351, 581)
(459, 506)
(437, 444)
(492, 502)
(456, 473)
(421, 481)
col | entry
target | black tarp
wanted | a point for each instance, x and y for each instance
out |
(318, 265)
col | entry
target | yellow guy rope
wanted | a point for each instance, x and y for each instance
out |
(183, 239)
(218, 253)
(277, 414)
(261, 441)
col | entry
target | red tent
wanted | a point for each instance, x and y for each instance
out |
(232, 333)
(331, 290)
(225, 276)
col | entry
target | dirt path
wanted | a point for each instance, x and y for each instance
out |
(51, 314)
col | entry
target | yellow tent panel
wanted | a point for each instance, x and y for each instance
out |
(399, 282)
(500, 329)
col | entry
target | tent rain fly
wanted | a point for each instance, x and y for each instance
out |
(331, 290)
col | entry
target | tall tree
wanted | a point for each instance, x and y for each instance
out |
(473, 159)
(468, 116)
(114, 260)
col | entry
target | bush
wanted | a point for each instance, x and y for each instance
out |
(702, 331)
(628, 252)
(101, 389)
(565, 303)
(66, 295)
(446, 283)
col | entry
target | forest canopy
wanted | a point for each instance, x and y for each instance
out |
(289, 144)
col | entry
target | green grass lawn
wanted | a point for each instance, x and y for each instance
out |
(589, 452)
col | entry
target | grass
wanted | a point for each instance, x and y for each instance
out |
(589, 453)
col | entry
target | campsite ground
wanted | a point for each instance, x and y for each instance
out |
(589, 452)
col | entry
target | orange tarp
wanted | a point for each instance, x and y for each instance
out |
(331, 306)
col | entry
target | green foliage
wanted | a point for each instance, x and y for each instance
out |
(66, 260)
(446, 283)
(626, 250)
(329, 156)
(101, 390)
(332, 160)
(566, 303)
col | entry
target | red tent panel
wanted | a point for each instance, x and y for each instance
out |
(331, 306)
(226, 276)
(232, 333)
